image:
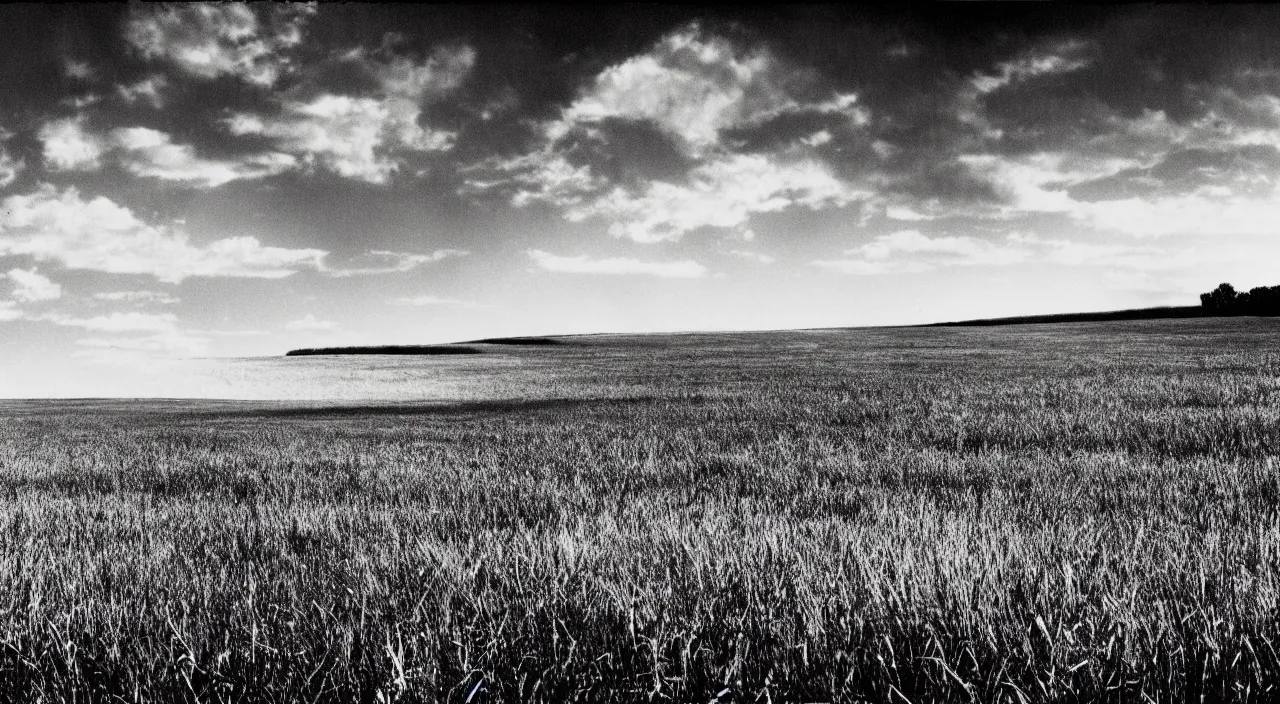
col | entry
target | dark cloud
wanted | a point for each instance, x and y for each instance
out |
(628, 152)
(1247, 169)
(784, 130)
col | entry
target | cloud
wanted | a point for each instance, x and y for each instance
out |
(364, 138)
(309, 322)
(689, 84)
(98, 234)
(79, 70)
(970, 103)
(30, 286)
(723, 193)
(208, 40)
(1063, 58)
(909, 251)
(431, 301)
(8, 311)
(161, 344)
(395, 262)
(649, 145)
(137, 297)
(120, 322)
(1076, 253)
(10, 166)
(1209, 211)
(151, 153)
(907, 213)
(753, 256)
(67, 147)
(582, 264)
(1221, 190)
(147, 89)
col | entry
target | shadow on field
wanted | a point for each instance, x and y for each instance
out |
(426, 408)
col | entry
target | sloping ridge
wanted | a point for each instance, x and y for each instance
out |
(1160, 313)
(468, 347)
(385, 349)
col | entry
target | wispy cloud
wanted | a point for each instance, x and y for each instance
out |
(10, 166)
(432, 301)
(310, 322)
(1064, 57)
(753, 256)
(132, 348)
(582, 264)
(385, 262)
(148, 89)
(137, 297)
(910, 252)
(131, 321)
(151, 153)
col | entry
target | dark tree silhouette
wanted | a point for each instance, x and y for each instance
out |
(1225, 300)
(1221, 299)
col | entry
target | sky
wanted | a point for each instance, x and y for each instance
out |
(234, 180)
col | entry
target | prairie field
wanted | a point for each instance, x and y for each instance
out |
(1068, 512)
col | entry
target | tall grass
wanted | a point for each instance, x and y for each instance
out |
(1055, 513)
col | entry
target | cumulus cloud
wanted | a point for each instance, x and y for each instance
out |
(582, 264)
(68, 147)
(98, 234)
(309, 322)
(648, 145)
(384, 262)
(688, 84)
(151, 153)
(30, 286)
(364, 138)
(9, 311)
(137, 297)
(208, 40)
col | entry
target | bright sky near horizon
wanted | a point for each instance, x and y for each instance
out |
(227, 180)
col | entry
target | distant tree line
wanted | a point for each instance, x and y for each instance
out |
(1225, 300)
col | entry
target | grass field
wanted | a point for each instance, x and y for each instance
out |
(1075, 512)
